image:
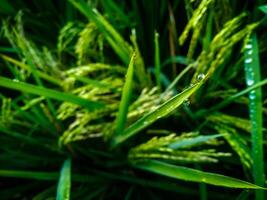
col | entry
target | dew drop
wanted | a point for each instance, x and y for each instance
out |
(15, 80)
(250, 52)
(248, 46)
(200, 77)
(252, 96)
(248, 60)
(253, 92)
(250, 82)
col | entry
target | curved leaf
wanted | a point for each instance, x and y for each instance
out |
(53, 94)
(188, 174)
(252, 71)
(64, 184)
(125, 99)
(160, 112)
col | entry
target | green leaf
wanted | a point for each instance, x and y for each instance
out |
(176, 59)
(263, 9)
(180, 75)
(119, 45)
(53, 94)
(157, 59)
(160, 112)
(64, 184)
(29, 174)
(45, 176)
(27, 67)
(188, 174)
(252, 71)
(244, 195)
(125, 99)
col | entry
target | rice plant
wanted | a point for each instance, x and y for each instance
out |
(133, 99)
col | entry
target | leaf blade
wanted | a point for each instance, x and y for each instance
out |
(119, 45)
(263, 8)
(162, 111)
(188, 174)
(125, 99)
(252, 71)
(53, 94)
(64, 184)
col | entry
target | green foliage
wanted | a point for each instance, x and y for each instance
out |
(137, 115)
(252, 70)
(64, 183)
(125, 98)
(163, 110)
(188, 174)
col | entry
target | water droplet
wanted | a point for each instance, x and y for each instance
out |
(252, 95)
(248, 46)
(186, 102)
(250, 82)
(250, 52)
(200, 77)
(15, 80)
(253, 92)
(145, 122)
(248, 60)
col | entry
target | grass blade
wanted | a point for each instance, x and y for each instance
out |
(53, 94)
(45, 176)
(162, 111)
(263, 9)
(29, 174)
(202, 187)
(125, 99)
(244, 195)
(157, 59)
(188, 174)
(26, 67)
(252, 71)
(180, 75)
(231, 99)
(176, 59)
(119, 45)
(64, 184)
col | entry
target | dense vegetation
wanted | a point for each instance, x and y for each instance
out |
(133, 99)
